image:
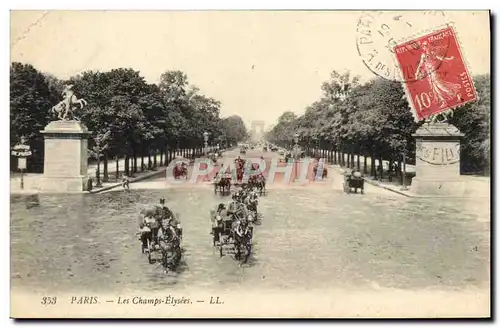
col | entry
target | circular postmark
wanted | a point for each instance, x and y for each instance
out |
(379, 32)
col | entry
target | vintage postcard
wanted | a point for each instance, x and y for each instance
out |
(250, 164)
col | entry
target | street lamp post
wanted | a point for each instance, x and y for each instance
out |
(21, 151)
(404, 187)
(205, 138)
(296, 152)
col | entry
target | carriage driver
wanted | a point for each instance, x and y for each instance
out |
(167, 214)
(164, 211)
(220, 216)
(166, 232)
(148, 226)
(241, 227)
(237, 210)
(251, 200)
(220, 209)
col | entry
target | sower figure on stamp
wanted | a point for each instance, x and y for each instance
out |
(428, 66)
(441, 81)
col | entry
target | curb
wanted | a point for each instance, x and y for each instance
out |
(145, 176)
(373, 183)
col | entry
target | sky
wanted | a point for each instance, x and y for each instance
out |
(257, 63)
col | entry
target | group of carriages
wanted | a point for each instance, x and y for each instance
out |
(233, 224)
(161, 236)
(223, 181)
(180, 170)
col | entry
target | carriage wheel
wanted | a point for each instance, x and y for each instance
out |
(248, 252)
(143, 247)
(164, 260)
(150, 260)
(237, 253)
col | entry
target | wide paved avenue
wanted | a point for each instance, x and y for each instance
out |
(309, 238)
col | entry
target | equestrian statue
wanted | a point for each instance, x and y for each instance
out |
(447, 114)
(65, 108)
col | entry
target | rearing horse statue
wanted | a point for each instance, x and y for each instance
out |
(447, 114)
(65, 107)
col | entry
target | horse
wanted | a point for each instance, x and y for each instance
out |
(243, 241)
(180, 171)
(224, 185)
(170, 250)
(251, 204)
(445, 116)
(64, 107)
(260, 184)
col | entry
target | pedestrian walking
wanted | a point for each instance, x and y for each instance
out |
(125, 182)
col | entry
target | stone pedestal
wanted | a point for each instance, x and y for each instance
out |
(65, 162)
(438, 161)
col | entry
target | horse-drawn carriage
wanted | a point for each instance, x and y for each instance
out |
(231, 235)
(323, 169)
(222, 185)
(180, 171)
(257, 182)
(354, 180)
(161, 241)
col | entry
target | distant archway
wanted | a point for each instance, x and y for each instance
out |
(257, 129)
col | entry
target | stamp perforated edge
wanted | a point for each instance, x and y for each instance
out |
(462, 56)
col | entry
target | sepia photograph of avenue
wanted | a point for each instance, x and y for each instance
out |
(250, 164)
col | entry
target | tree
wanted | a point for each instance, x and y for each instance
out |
(177, 111)
(114, 104)
(339, 86)
(137, 118)
(285, 129)
(30, 102)
(375, 119)
(234, 129)
(473, 120)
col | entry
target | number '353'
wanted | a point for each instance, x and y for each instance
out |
(49, 300)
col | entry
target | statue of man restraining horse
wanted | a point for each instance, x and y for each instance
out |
(65, 108)
(441, 117)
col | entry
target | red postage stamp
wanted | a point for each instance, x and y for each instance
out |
(435, 75)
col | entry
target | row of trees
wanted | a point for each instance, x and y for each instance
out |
(373, 119)
(137, 118)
